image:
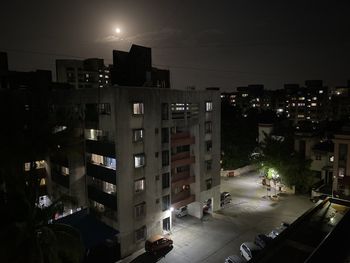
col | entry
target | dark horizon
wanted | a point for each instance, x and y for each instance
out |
(227, 45)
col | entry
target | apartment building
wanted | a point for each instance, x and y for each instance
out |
(341, 164)
(88, 73)
(145, 152)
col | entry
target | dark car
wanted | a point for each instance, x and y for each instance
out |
(157, 243)
(262, 240)
(235, 259)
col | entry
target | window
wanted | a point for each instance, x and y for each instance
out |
(208, 127)
(331, 159)
(208, 164)
(107, 162)
(64, 170)
(343, 151)
(157, 177)
(138, 108)
(166, 224)
(208, 183)
(165, 135)
(165, 111)
(166, 202)
(208, 106)
(139, 160)
(137, 135)
(140, 234)
(105, 108)
(208, 146)
(140, 210)
(165, 158)
(157, 201)
(165, 180)
(139, 185)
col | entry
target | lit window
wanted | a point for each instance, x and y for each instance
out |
(107, 162)
(209, 106)
(42, 182)
(100, 76)
(320, 91)
(139, 160)
(244, 95)
(166, 202)
(138, 135)
(331, 159)
(139, 185)
(301, 98)
(138, 108)
(65, 170)
(313, 104)
(341, 172)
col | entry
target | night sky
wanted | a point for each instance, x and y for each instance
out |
(204, 43)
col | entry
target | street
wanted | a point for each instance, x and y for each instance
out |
(220, 234)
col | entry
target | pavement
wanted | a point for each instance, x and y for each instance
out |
(220, 234)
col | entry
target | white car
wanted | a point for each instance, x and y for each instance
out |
(182, 211)
(278, 230)
(249, 250)
(234, 259)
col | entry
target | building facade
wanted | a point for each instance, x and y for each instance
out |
(146, 152)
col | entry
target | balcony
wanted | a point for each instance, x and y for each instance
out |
(108, 200)
(182, 159)
(60, 178)
(101, 172)
(182, 138)
(104, 148)
(182, 198)
(184, 181)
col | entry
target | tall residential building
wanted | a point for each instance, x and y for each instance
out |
(88, 73)
(146, 151)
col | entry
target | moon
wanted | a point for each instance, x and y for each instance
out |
(117, 30)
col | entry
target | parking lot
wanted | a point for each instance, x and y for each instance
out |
(220, 234)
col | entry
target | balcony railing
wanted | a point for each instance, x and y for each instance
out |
(179, 156)
(182, 138)
(181, 162)
(180, 196)
(104, 148)
(102, 173)
(183, 181)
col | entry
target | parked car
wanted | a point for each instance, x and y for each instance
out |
(225, 198)
(262, 240)
(249, 250)
(156, 243)
(235, 259)
(182, 211)
(278, 230)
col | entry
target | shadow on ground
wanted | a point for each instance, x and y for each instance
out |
(152, 258)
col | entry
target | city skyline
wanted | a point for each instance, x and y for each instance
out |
(227, 45)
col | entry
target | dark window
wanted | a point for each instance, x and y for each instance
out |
(156, 154)
(105, 108)
(140, 210)
(208, 127)
(156, 130)
(140, 234)
(165, 180)
(208, 164)
(157, 177)
(208, 146)
(166, 224)
(165, 135)
(208, 183)
(166, 202)
(165, 111)
(343, 151)
(157, 201)
(165, 158)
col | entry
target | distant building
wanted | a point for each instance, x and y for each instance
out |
(83, 74)
(134, 68)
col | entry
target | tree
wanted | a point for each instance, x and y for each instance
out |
(292, 168)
